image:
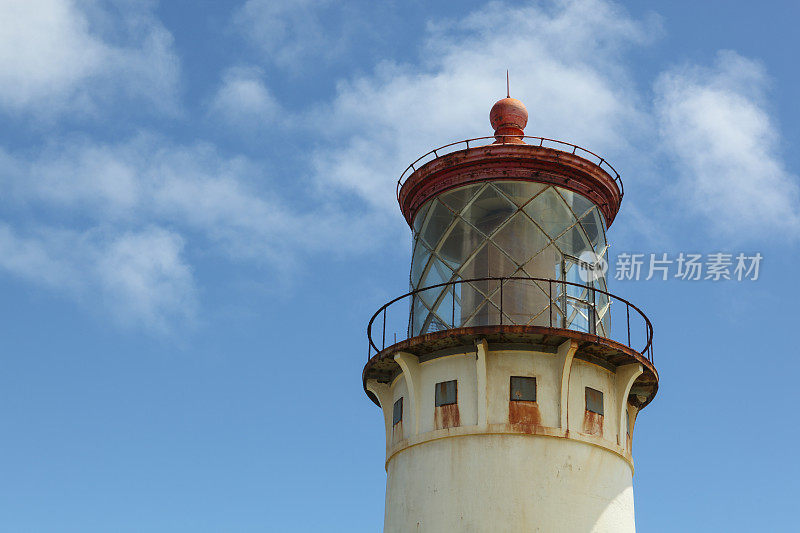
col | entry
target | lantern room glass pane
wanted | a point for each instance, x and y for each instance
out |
(546, 264)
(419, 261)
(420, 217)
(489, 261)
(595, 231)
(578, 203)
(502, 229)
(459, 245)
(456, 199)
(489, 210)
(520, 238)
(573, 242)
(438, 221)
(550, 212)
(519, 192)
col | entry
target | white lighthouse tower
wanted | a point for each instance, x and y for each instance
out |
(509, 377)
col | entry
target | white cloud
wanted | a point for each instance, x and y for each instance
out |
(715, 125)
(243, 99)
(140, 277)
(54, 56)
(566, 63)
(145, 272)
(37, 258)
(224, 205)
(293, 32)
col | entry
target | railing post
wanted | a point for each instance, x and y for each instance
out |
(628, 320)
(453, 315)
(383, 342)
(593, 316)
(564, 298)
(411, 324)
(550, 300)
(501, 301)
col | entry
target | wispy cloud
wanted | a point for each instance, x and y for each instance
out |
(229, 201)
(726, 148)
(292, 32)
(144, 278)
(58, 56)
(141, 278)
(86, 213)
(243, 100)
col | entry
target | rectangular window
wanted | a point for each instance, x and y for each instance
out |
(446, 393)
(397, 413)
(594, 401)
(523, 389)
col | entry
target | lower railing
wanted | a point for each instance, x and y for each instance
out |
(514, 301)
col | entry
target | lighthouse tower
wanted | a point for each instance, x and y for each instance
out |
(509, 377)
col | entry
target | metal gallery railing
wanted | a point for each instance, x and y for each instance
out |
(515, 300)
(537, 141)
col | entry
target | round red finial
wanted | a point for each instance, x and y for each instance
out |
(509, 117)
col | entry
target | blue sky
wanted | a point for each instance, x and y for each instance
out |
(198, 219)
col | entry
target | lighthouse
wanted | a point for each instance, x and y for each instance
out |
(509, 377)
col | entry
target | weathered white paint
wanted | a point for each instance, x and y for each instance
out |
(481, 375)
(490, 475)
(565, 354)
(504, 483)
(384, 395)
(626, 376)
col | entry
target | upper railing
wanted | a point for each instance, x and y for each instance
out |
(528, 301)
(538, 141)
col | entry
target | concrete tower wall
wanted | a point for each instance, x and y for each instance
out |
(489, 463)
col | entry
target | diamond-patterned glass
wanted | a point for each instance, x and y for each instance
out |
(437, 273)
(419, 315)
(445, 309)
(459, 245)
(419, 261)
(420, 217)
(546, 264)
(593, 225)
(489, 261)
(577, 202)
(573, 242)
(483, 315)
(438, 220)
(520, 238)
(550, 212)
(489, 210)
(456, 199)
(519, 192)
(501, 229)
